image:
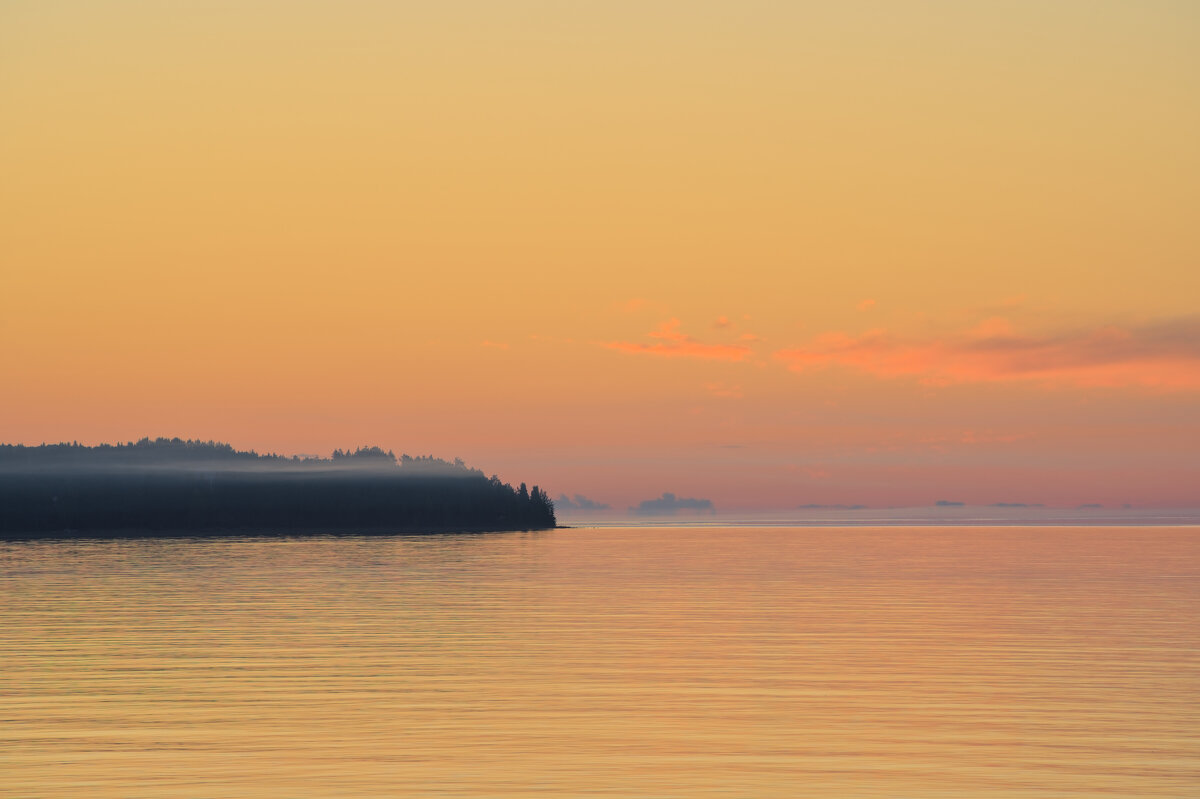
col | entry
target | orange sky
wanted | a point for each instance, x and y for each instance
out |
(765, 253)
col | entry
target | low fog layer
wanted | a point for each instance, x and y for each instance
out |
(208, 456)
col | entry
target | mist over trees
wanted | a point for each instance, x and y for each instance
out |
(176, 486)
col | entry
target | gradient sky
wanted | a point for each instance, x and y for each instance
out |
(767, 253)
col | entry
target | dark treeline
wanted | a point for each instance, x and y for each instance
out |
(173, 486)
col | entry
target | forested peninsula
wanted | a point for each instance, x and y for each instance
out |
(175, 487)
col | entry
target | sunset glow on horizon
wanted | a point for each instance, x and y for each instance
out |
(768, 255)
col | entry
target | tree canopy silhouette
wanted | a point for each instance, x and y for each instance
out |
(176, 486)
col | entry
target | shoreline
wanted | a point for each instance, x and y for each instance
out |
(264, 532)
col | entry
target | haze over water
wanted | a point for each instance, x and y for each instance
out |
(647, 662)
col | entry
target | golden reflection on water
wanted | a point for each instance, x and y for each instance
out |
(736, 662)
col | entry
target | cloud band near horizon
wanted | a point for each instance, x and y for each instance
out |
(1164, 355)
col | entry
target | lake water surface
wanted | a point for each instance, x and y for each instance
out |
(620, 662)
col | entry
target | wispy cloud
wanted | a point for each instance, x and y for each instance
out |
(1162, 355)
(673, 343)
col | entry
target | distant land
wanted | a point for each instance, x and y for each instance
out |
(669, 504)
(183, 487)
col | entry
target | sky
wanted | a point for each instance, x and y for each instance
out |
(767, 254)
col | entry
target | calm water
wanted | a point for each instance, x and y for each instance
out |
(736, 662)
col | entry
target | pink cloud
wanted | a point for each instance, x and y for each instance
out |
(1163, 355)
(673, 343)
(669, 330)
(722, 321)
(865, 305)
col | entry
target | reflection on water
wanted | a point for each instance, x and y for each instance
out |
(824, 662)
